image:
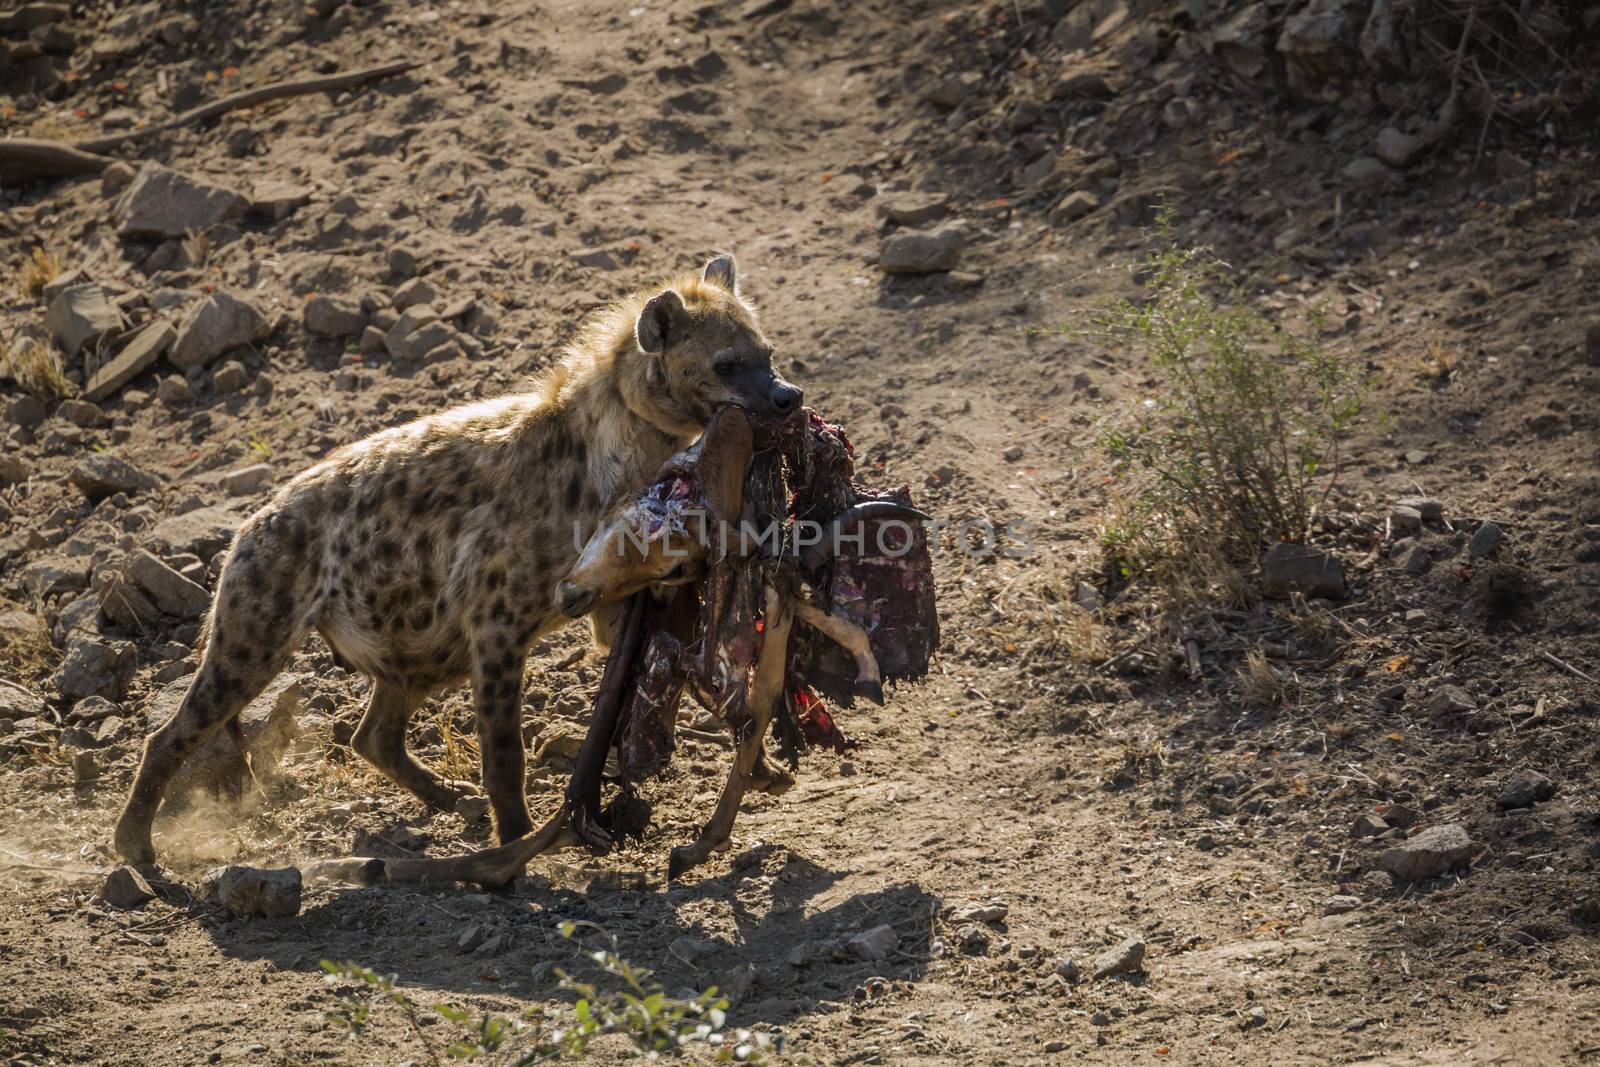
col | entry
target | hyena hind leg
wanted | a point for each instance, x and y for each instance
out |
(380, 739)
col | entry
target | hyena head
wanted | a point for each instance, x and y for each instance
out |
(709, 352)
(667, 535)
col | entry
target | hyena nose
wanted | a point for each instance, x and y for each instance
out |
(574, 600)
(786, 398)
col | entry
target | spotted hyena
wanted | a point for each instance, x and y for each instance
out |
(433, 552)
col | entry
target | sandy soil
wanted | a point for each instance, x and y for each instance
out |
(1080, 778)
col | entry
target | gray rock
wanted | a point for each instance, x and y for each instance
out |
(203, 532)
(80, 316)
(81, 413)
(94, 667)
(1450, 700)
(1524, 789)
(1430, 510)
(278, 200)
(1406, 519)
(1073, 206)
(472, 809)
(85, 768)
(13, 470)
(136, 357)
(402, 261)
(27, 412)
(416, 291)
(1068, 968)
(218, 324)
(122, 601)
(878, 943)
(1398, 148)
(693, 950)
(168, 590)
(1402, 816)
(495, 945)
(913, 209)
(164, 203)
(102, 475)
(1288, 568)
(174, 390)
(64, 281)
(409, 322)
(1429, 854)
(1081, 85)
(334, 316)
(1126, 958)
(425, 339)
(230, 377)
(950, 92)
(1368, 826)
(1485, 540)
(1340, 904)
(372, 341)
(1414, 559)
(1365, 172)
(922, 251)
(598, 258)
(126, 888)
(247, 480)
(992, 912)
(52, 575)
(471, 937)
(254, 893)
(1240, 43)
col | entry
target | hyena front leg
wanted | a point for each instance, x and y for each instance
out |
(380, 739)
(497, 661)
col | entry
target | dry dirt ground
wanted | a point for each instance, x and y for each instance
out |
(549, 157)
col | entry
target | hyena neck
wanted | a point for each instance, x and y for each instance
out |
(629, 434)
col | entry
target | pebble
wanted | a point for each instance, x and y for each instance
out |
(334, 316)
(1398, 148)
(1288, 568)
(416, 291)
(472, 809)
(913, 209)
(218, 324)
(1339, 904)
(1524, 789)
(1073, 206)
(85, 768)
(1485, 540)
(1012, 454)
(1125, 958)
(1368, 826)
(1429, 854)
(230, 377)
(922, 251)
(1414, 560)
(1068, 968)
(992, 912)
(693, 950)
(174, 390)
(126, 888)
(1450, 700)
(875, 944)
(1430, 510)
(247, 480)
(256, 893)
(1405, 519)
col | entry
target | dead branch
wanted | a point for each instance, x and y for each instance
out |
(250, 98)
(24, 160)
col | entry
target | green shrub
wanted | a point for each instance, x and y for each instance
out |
(1237, 443)
(653, 1021)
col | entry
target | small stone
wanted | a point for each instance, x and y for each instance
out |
(126, 888)
(1414, 560)
(1366, 172)
(951, 91)
(256, 893)
(1429, 854)
(1073, 206)
(230, 377)
(1081, 85)
(1398, 148)
(93, 667)
(27, 412)
(1368, 826)
(1485, 540)
(992, 912)
(1053, 1047)
(1524, 789)
(421, 342)
(878, 943)
(218, 324)
(1450, 700)
(494, 945)
(1430, 510)
(85, 768)
(81, 315)
(1126, 958)
(278, 200)
(472, 809)
(102, 475)
(402, 261)
(1012, 454)
(136, 357)
(115, 178)
(1407, 520)
(203, 531)
(1288, 567)
(166, 204)
(693, 950)
(174, 390)
(247, 481)
(371, 341)
(913, 209)
(963, 279)
(922, 251)
(1401, 816)
(1087, 597)
(1339, 904)
(471, 938)
(64, 281)
(334, 316)
(170, 591)
(1068, 968)
(13, 470)
(81, 413)
(416, 291)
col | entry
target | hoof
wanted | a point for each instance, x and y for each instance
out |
(677, 863)
(873, 691)
(588, 831)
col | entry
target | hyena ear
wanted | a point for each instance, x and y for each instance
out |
(725, 450)
(660, 321)
(723, 271)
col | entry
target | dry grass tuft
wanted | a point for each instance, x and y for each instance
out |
(27, 653)
(1049, 623)
(34, 366)
(460, 758)
(1262, 684)
(36, 272)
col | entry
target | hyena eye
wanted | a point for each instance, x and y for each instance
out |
(725, 367)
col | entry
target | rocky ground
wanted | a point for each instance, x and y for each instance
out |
(1354, 828)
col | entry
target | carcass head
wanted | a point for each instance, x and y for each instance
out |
(665, 535)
